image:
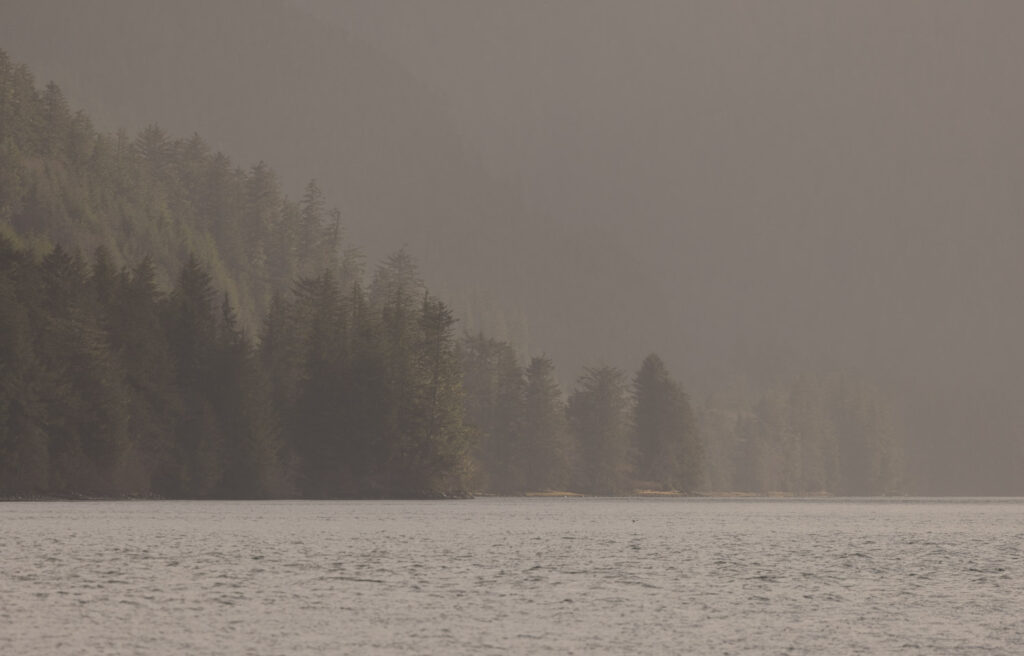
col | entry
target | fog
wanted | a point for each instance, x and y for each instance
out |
(745, 188)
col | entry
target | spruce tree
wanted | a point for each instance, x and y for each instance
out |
(599, 420)
(436, 447)
(493, 388)
(547, 450)
(24, 447)
(191, 331)
(665, 436)
(318, 422)
(241, 402)
(155, 403)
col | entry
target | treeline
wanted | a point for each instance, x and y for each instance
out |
(109, 386)
(831, 434)
(825, 434)
(221, 343)
(153, 196)
(611, 436)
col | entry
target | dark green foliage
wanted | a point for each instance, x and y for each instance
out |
(433, 455)
(153, 196)
(598, 417)
(546, 447)
(241, 400)
(367, 391)
(86, 401)
(495, 407)
(319, 419)
(138, 339)
(669, 453)
(24, 448)
(109, 386)
(190, 326)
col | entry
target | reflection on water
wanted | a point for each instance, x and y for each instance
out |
(523, 575)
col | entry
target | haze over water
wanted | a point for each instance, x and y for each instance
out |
(513, 575)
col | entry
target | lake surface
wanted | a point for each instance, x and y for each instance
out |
(513, 576)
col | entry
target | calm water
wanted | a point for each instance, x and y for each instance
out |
(513, 575)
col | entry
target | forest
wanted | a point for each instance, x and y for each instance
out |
(173, 325)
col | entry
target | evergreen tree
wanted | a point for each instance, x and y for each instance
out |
(262, 212)
(12, 180)
(55, 124)
(191, 330)
(367, 388)
(669, 454)
(138, 338)
(547, 450)
(86, 403)
(598, 418)
(311, 240)
(494, 396)
(24, 448)
(434, 452)
(392, 295)
(154, 148)
(319, 422)
(241, 401)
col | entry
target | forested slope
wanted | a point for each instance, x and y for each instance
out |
(265, 80)
(174, 325)
(153, 196)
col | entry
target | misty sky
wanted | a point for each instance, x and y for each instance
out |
(821, 164)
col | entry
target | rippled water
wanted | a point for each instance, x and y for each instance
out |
(512, 575)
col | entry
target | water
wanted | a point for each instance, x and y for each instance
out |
(513, 576)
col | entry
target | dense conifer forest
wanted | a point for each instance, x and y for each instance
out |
(171, 324)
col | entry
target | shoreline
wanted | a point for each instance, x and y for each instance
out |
(542, 494)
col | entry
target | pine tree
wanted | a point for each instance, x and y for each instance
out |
(310, 238)
(668, 450)
(598, 418)
(13, 178)
(318, 422)
(494, 390)
(435, 450)
(155, 150)
(191, 331)
(262, 213)
(155, 403)
(241, 402)
(86, 403)
(546, 447)
(55, 125)
(24, 447)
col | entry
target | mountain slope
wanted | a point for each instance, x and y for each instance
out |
(264, 79)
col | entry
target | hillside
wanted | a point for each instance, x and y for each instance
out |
(121, 376)
(153, 196)
(266, 80)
